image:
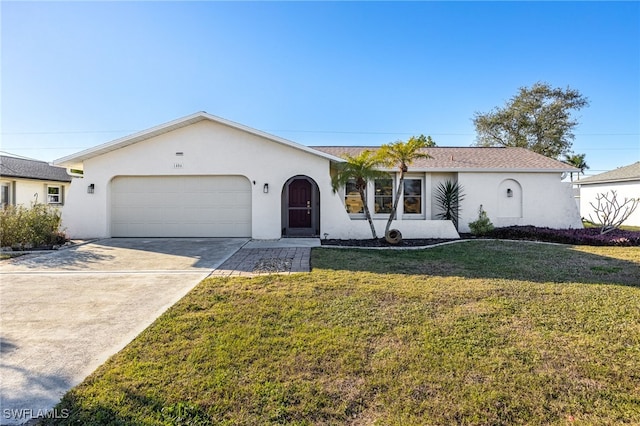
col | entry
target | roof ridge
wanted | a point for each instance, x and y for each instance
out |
(21, 158)
(623, 173)
(378, 146)
(472, 158)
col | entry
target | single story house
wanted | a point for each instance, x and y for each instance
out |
(204, 176)
(24, 181)
(625, 181)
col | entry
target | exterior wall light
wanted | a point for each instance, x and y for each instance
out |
(91, 188)
(509, 193)
(265, 188)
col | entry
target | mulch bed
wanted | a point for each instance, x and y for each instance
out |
(381, 242)
(30, 248)
(587, 236)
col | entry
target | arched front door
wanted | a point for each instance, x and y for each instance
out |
(301, 207)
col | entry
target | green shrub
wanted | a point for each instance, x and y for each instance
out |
(22, 227)
(483, 225)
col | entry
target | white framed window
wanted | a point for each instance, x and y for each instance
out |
(383, 195)
(352, 199)
(54, 194)
(413, 199)
(5, 195)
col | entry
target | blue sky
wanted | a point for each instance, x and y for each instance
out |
(77, 74)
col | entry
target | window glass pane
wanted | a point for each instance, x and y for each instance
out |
(5, 195)
(352, 200)
(413, 196)
(384, 195)
(53, 194)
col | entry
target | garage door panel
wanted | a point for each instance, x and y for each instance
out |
(181, 206)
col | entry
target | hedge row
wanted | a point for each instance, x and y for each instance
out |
(34, 227)
(587, 236)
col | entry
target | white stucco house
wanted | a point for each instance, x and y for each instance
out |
(24, 181)
(204, 176)
(625, 181)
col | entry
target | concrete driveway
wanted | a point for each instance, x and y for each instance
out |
(64, 313)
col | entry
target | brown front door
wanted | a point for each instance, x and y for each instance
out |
(300, 207)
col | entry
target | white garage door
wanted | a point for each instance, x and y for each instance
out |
(180, 206)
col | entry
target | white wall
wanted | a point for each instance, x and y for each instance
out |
(208, 148)
(343, 226)
(545, 200)
(211, 148)
(437, 179)
(28, 192)
(623, 190)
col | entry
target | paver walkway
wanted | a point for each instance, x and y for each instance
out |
(261, 261)
(262, 257)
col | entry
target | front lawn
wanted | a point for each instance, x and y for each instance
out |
(481, 332)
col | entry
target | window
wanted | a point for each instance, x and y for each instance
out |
(413, 196)
(352, 199)
(383, 195)
(54, 194)
(4, 193)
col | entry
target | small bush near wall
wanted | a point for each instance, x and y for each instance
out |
(483, 225)
(25, 228)
(587, 236)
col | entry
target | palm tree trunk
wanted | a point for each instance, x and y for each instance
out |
(367, 213)
(394, 209)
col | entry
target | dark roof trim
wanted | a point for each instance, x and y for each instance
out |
(31, 169)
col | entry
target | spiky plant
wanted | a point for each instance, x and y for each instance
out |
(448, 196)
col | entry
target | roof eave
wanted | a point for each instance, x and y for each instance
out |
(477, 170)
(80, 157)
(40, 179)
(593, 182)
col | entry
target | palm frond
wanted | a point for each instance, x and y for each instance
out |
(361, 167)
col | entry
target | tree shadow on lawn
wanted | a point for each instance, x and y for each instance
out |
(513, 260)
(145, 406)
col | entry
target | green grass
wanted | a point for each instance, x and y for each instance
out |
(589, 224)
(5, 256)
(481, 332)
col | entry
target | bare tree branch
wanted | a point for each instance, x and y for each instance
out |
(610, 213)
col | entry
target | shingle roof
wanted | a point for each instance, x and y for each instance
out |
(470, 159)
(621, 174)
(31, 169)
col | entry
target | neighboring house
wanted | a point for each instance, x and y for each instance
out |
(204, 176)
(24, 182)
(624, 180)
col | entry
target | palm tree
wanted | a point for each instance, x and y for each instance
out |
(362, 169)
(402, 154)
(577, 161)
